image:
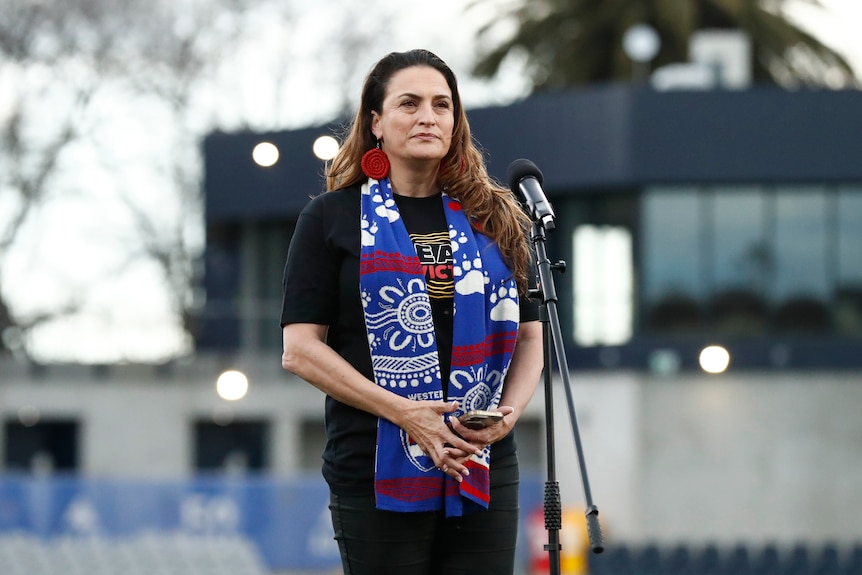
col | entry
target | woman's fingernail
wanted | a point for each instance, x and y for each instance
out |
(465, 473)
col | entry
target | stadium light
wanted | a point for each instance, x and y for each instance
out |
(232, 385)
(325, 147)
(641, 42)
(265, 154)
(714, 359)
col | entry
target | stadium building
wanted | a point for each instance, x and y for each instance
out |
(688, 220)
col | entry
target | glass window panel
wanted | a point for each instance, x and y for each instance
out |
(742, 259)
(802, 278)
(264, 249)
(671, 264)
(312, 442)
(800, 244)
(671, 253)
(848, 289)
(850, 237)
(604, 285)
(42, 447)
(236, 446)
(274, 241)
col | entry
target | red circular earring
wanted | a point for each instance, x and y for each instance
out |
(375, 163)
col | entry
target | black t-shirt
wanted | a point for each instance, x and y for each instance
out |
(321, 286)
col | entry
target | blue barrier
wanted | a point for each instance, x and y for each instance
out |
(286, 518)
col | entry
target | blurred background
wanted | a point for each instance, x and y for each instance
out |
(703, 161)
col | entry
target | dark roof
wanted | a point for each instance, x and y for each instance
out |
(600, 137)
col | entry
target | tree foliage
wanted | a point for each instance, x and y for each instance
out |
(71, 69)
(103, 108)
(571, 42)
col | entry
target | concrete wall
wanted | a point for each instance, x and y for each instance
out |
(732, 458)
(139, 424)
(739, 457)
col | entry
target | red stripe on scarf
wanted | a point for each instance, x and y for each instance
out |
(494, 344)
(411, 488)
(478, 483)
(390, 262)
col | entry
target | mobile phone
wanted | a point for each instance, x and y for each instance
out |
(479, 419)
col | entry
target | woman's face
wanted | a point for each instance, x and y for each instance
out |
(417, 116)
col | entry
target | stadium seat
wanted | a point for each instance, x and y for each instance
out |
(708, 561)
(738, 561)
(828, 561)
(767, 562)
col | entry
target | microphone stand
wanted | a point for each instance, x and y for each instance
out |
(551, 331)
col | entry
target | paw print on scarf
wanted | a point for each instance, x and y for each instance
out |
(505, 303)
(456, 238)
(367, 231)
(387, 208)
(471, 278)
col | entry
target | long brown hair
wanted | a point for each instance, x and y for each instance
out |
(462, 173)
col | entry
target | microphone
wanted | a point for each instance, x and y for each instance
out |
(525, 181)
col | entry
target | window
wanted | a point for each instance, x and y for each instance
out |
(742, 257)
(234, 447)
(532, 444)
(801, 279)
(749, 260)
(800, 245)
(848, 284)
(312, 441)
(671, 226)
(743, 261)
(604, 289)
(264, 249)
(849, 231)
(43, 446)
(673, 281)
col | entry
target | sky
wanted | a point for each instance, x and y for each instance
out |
(836, 24)
(79, 243)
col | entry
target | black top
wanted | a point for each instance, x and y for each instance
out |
(321, 286)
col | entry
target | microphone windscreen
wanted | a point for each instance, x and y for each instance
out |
(520, 169)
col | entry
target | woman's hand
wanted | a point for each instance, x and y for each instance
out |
(477, 438)
(424, 423)
(489, 434)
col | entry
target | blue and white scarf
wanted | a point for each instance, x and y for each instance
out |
(404, 351)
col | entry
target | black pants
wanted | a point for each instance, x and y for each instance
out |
(375, 542)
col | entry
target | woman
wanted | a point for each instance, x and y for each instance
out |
(401, 304)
